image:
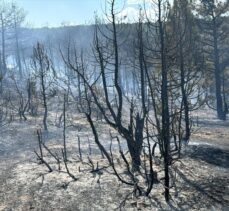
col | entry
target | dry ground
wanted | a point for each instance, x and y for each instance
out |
(202, 181)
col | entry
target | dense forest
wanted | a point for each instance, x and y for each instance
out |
(116, 114)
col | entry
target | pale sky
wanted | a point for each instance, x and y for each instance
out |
(54, 12)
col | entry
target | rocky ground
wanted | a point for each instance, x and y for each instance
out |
(202, 181)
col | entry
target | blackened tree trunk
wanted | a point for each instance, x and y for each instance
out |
(44, 97)
(218, 81)
(184, 98)
(41, 64)
(64, 129)
(165, 133)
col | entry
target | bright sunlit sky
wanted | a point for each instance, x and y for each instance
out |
(53, 13)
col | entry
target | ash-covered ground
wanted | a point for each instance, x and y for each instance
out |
(202, 181)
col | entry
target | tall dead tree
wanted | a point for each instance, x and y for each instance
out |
(107, 54)
(164, 94)
(165, 131)
(42, 69)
